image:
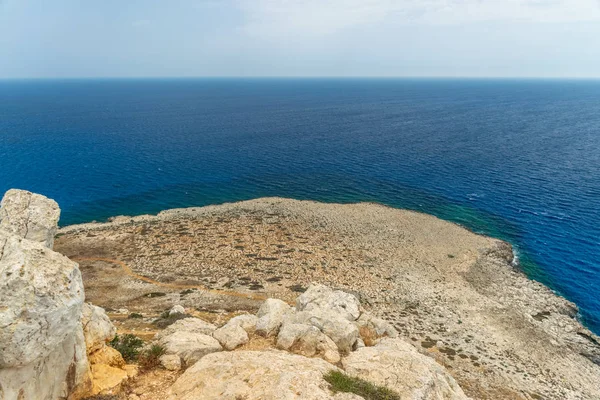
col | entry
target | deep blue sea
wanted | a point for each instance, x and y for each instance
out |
(514, 159)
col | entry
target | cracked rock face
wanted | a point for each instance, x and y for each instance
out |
(254, 375)
(396, 365)
(30, 216)
(42, 347)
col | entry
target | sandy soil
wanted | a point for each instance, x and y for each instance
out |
(452, 293)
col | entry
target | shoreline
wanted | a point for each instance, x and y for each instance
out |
(451, 292)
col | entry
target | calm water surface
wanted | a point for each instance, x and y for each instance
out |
(518, 160)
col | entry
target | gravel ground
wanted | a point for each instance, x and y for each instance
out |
(452, 293)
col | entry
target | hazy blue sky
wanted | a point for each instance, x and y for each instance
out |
(89, 38)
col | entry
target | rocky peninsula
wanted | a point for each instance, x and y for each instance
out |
(262, 299)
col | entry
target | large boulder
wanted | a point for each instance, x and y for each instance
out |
(191, 325)
(97, 328)
(30, 216)
(246, 321)
(108, 369)
(341, 331)
(307, 340)
(270, 316)
(319, 297)
(189, 346)
(42, 346)
(371, 329)
(231, 335)
(254, 375)
(398, 366)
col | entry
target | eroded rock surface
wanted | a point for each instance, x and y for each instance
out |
(270, 316)
(396, 365)
(30, 216)
(254, 375)
(42, 347)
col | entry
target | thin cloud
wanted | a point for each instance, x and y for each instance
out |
(318, 17)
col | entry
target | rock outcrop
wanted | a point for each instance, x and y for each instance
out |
(270, 316)
(254, 375)
(396, 365)
(231, 335)
(52, 345)
(190, 339)
(108, 368)
(42, 346)
(29, 216)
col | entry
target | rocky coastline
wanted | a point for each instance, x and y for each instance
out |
(341, 287)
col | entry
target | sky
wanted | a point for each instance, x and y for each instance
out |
(299, 38)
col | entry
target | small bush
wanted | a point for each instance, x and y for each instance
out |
(149, 359)
(343, 383)
(136, 315)
(128, 345)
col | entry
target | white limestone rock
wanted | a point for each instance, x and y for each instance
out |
(398, 366)
(191, 325)
(189, 346)
(97, 327)
(177, 309)
(341, 331)
(231, 336)
(30, 216)
(307, 340)
(372, 329)
(170, 362)
(254, 375)
(42, 348)
(270, 316)
(320, 297)
(246, 321)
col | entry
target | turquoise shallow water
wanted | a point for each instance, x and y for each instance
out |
(518, 160)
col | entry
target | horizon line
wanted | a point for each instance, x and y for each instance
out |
(258, 77)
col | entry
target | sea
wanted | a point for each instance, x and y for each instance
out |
(518, 160)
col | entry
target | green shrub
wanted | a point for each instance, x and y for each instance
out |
(128, 345)
(341, 382)
(149, 359)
